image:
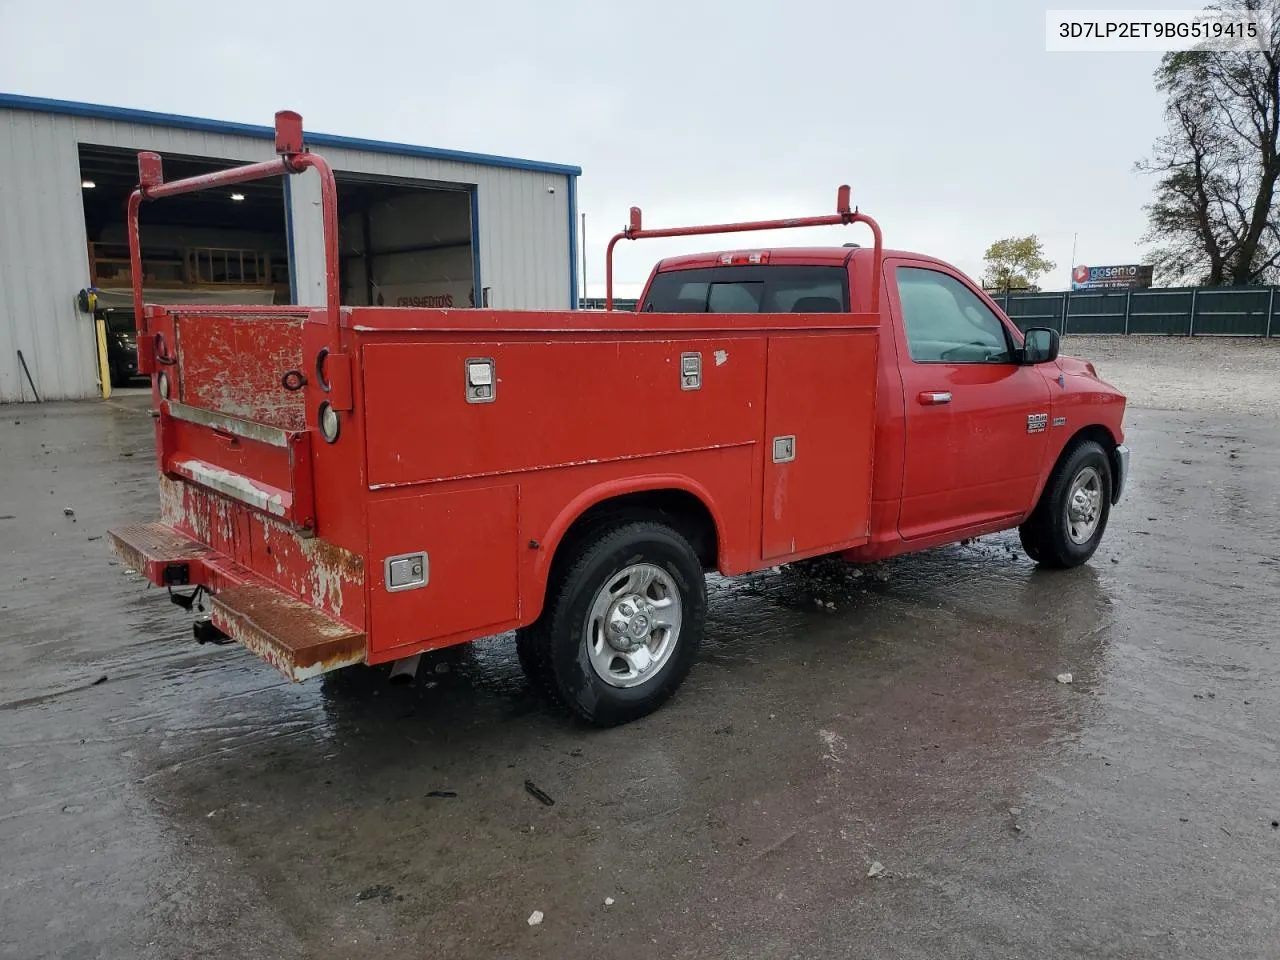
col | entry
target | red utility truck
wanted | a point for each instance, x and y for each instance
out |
(357, 485)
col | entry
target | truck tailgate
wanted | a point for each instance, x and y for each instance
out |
(237, 491)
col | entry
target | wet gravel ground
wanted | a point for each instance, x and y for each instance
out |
(161, 799)
(1208, 374)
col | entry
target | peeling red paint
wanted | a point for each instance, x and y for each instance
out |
(234, 366)
(316, 571)
(203, 515)
(289, 634)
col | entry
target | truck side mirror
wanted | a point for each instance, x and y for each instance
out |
(1040, 345)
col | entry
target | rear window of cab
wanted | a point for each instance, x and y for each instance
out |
(750, 289)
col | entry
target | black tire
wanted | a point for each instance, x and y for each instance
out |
(1046, 535)
(554, 650)
(1030, 545)
(533, 647)
(533, 651)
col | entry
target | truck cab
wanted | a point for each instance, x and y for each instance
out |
(971, 421)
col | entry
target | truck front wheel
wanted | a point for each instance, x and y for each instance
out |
(1067, 524)
(622, 624)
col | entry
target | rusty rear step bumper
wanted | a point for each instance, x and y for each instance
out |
(153, 548)
(294, 637)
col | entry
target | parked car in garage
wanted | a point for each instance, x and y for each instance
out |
(122, 346)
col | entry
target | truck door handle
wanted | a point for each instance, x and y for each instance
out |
(931, 398)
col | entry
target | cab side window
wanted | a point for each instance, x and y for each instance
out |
(946, 322)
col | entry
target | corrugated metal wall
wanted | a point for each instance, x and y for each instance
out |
(43, 255)
(525, 255)
(43, 260)
(1180, 311)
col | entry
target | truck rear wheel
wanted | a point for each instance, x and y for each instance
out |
(622, 624)
(1067, 524)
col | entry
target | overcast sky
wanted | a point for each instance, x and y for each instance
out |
(953, 126)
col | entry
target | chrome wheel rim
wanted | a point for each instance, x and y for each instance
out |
(1084, 505)
(633, 625)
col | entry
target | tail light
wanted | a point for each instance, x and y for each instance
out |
(329, 422)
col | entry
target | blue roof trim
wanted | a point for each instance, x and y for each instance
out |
(573, 243)
(477, 285)
(95, 111)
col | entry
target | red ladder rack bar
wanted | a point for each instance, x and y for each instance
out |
(293, 159)
(843, 216)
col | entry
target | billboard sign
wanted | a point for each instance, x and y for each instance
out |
(1126, 277)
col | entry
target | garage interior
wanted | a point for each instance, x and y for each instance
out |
(219, 246)
(213, 244)
(402, 243)
(406, 243)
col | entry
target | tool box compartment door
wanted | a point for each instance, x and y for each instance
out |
(819, 426)
(554, 403)
(441, 564)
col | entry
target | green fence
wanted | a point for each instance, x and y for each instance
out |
(1171, 311)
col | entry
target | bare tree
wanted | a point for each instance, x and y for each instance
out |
(1213, 219)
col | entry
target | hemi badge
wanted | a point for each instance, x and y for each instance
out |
(1059, 421)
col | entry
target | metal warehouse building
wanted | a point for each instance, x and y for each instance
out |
(418, 226)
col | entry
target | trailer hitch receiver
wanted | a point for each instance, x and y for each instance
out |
(206, 632)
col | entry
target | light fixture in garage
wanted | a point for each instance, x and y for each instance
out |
(237, 196)
(87, 184)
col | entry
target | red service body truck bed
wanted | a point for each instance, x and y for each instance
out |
(293, 537)
(358, 485)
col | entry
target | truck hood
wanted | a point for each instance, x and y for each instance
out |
(1076, 366)
(1079, 367)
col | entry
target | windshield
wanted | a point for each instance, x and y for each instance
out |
(750, 289)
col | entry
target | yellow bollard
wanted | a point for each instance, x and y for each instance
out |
(104, 367)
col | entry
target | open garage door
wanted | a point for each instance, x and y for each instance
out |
(207, 243)
(221, 246)
(407, 243)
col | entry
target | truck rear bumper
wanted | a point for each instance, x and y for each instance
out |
(294, 637)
